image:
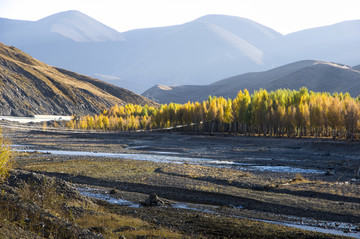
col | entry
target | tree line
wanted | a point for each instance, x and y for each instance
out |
(282, 113)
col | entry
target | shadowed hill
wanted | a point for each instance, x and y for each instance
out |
(29, 86)
(315, 75)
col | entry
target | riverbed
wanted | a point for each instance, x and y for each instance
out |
(302, 182)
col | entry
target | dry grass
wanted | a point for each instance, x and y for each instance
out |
(198, 172)
(299, 179)
(112, 226)
(122, 169)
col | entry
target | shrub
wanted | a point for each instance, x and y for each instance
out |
(6, 162)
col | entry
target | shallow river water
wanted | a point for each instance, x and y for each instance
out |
(335, 228)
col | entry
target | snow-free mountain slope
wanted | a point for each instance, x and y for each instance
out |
(79, 27)
(334, 43)
(202, 51)
(315, 75)
(259, 35)
(357, 67)
(69, 25)
(29, 86)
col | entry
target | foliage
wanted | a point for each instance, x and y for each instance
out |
(276, 113)
(5, 158)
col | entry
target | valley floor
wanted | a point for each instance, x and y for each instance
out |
(210, 186)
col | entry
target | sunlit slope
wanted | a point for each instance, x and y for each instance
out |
(29, 86)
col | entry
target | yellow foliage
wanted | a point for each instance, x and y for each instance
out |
(6, 162)
(288, 112)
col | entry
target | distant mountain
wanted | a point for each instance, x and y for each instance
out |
(69, 25)
(357, 67)
(202, 51)
(29, 86)
(334, 43)
(315, 75)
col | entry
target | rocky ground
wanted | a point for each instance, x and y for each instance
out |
(302, 182)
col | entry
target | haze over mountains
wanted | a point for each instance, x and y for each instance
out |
(29, 87)
(202, 51)
(70, 25)
(315, 75)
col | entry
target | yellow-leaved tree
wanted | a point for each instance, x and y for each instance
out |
(5, 158)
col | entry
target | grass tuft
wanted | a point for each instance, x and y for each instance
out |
(298, 179)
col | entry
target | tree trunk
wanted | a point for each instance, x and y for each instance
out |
(212, 126)
(357, 171)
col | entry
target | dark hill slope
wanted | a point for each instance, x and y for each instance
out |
(315, 75)
(29, 86)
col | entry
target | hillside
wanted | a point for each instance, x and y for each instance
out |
(29, 86)
(201, 51)
(63, 26)
(334, 43)
(357, 67)
(315, 75)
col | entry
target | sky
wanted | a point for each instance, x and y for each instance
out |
(284, 16)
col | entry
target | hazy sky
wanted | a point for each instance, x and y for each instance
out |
(284, 16)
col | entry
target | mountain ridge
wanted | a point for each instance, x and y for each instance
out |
(201, 51)
(80, 27)
(69, 25)
(315, 75)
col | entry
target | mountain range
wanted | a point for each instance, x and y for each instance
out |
(29, 86)
(317, 76)
(202, 51)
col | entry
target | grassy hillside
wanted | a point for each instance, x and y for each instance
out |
(29, 86)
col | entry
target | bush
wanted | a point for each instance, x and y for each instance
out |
(6, 162)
